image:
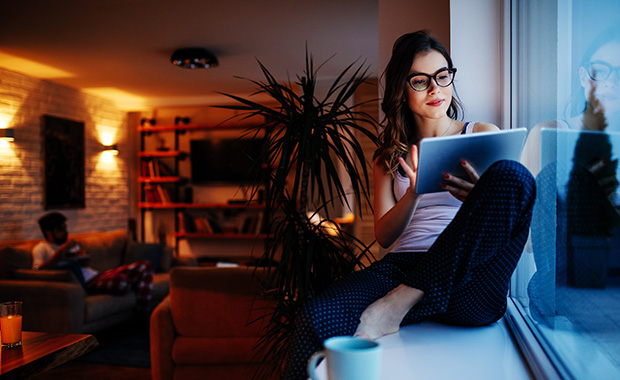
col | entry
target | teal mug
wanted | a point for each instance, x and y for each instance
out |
(348, 358)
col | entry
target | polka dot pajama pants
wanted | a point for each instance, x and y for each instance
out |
(464, 276)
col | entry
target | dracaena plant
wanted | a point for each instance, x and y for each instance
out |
(302, 135)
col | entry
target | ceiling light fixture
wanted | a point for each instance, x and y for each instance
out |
(194, 58)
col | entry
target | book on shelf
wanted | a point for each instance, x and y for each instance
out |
(252, 224)
(181, 219)
(163, 194)
(156, 194)
(203, 225)
(199, 224)
(155, 168)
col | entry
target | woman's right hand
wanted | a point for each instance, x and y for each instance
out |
(411, 171)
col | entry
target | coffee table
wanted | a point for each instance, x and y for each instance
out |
(42, 351)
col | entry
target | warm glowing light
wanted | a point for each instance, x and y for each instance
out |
(329, 227)
(4, 144)
(107, 156)
(5, 120)
(35, 69)
(107, 134)
(124, 100)
(106, 162)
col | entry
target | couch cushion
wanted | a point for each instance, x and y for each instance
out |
(200, 351)
(12, 258)
(44, 275)
(217, 302)
(100, 306)
(105, 249)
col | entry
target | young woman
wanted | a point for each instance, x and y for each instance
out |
(451, 253)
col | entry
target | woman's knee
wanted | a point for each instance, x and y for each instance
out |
(510, 173)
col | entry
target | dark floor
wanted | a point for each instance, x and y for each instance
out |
(90, 371)
(109, 340)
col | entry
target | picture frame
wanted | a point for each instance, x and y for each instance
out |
(64, 163)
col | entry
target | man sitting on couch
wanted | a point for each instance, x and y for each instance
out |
(57, 251)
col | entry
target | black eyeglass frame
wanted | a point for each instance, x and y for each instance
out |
(451, 70)
(611, 68)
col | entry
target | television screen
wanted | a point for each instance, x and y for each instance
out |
(226, 161)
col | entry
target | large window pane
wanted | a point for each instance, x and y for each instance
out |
(566, 86)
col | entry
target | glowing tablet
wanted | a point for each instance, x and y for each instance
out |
(441, 155)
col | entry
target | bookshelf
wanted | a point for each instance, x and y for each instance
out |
(160, 183)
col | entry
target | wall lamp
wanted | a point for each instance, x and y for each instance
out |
(112, 149)
(7, 134)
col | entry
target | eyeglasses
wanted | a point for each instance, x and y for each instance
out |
(443, 77)
(600, 71)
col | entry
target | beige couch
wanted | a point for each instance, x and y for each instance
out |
(53, 299)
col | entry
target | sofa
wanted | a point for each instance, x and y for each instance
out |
(54, 301)
(209, 325)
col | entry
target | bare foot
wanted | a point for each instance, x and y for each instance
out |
(384, 316)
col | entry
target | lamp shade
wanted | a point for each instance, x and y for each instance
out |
(194, 58)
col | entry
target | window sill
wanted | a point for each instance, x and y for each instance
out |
(440, 352)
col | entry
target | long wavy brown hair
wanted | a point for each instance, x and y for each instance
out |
(400, 130)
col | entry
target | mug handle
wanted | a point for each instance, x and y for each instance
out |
(312, 363)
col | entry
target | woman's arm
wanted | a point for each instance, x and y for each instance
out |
(391, 217)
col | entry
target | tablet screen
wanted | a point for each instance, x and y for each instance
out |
(441, 155)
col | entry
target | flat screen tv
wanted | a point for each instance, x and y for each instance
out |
(226, 161)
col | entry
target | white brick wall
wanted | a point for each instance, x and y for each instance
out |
(23, 102)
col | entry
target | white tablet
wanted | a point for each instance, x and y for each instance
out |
(441, 155)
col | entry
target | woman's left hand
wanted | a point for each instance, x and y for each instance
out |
(458, 187)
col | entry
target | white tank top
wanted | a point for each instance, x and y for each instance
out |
(432, 215)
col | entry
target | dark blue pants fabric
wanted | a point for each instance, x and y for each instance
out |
(465, 274)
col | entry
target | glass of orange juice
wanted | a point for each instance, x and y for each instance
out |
(11, 324)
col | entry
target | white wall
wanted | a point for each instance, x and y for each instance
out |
(476, 35)
(397, 17)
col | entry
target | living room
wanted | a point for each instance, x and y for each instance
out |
(106, 66)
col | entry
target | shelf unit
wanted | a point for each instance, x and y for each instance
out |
(150, 177)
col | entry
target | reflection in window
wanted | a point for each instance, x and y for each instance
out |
(567, 81)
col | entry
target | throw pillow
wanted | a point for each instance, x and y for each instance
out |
(145, 251)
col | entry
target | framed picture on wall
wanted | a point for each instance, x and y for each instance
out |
(63, 152)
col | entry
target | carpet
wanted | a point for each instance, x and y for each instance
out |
(124, 345)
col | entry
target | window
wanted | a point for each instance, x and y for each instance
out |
(566, 90)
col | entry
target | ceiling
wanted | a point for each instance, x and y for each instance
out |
(121, 48)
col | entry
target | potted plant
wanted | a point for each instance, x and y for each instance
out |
(302, 134)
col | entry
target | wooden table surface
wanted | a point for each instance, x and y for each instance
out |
(42, 351)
